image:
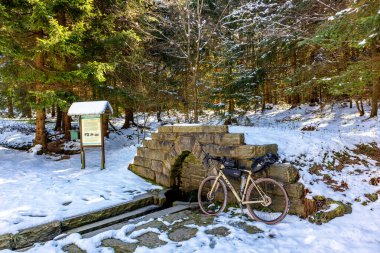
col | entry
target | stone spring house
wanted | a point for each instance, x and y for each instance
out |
(175, 157)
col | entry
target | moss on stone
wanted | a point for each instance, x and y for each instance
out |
(325, 215)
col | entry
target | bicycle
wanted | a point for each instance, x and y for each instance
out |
(266, 199)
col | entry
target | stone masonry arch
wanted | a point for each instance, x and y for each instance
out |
(159, 157)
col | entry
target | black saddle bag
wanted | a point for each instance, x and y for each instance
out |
(234, 173)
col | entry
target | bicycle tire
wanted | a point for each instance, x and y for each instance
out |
(218, 199)
(278, 207)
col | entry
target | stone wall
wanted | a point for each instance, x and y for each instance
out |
(175, 156)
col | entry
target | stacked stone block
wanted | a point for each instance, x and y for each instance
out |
(161, 157)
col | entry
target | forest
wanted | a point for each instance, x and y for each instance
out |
(191, 56)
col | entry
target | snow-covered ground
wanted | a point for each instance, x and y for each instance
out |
(38, 189)
(337, 130)
(358, 232)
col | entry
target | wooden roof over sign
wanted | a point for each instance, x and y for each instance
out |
(90, 108)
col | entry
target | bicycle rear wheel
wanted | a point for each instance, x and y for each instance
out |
(214, 202)
(276, 204)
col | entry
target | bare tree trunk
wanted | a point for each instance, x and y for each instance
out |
(231, 106)
(40, 135)
(53, 111)
(359, 107)
(197, 58)
(159, 116)
(375, 98)
(263, 98)
(128, 118)
(58, 122)
(10, 107)
(295, 97)
(67, 127)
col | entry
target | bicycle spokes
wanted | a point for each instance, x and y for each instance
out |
(268, 201)
(212, 196)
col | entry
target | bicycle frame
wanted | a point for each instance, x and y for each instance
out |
(240, 200)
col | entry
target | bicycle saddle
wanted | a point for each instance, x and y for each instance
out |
(263, 162)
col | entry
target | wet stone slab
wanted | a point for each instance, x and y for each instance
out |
(119, 246)
(152, 224)
(150, 240)
(187, 218)
(219, 231)
(72, 248)
(182, 234)
(247, 228)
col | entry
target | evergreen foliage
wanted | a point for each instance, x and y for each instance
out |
(187, 55)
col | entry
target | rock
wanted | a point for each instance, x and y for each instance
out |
(157, 166)
(119, 246)
(247, 228)
(83, 219)
(309, 128)
(230, 121)
(72, 248)
(282, 172)
(372, 197)
(228, 139)
(143, 172)
(150, 240)
(201, 219)
(179, 217)
(156, 144)
(295, 191)
(152, 224)
(142, 161)
(159, 197)
(164, 136)
(153, 154)
(189, 217)
(165, 129)
(182, 234)
(215, 129)
(5, 241)
(330, 210)
(58, 147)
(41, 233)
(163, 179)
(219, 231)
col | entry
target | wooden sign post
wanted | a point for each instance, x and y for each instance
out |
(91, 116)
(92, 135)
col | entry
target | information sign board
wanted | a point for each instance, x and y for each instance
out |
(91, 130)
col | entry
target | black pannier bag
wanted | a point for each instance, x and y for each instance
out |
(235, 173)
(229, 163)
(230, 168)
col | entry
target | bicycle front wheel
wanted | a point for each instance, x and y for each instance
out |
(212, 196)
(273, 201)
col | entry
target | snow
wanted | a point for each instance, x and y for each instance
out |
(363, 42)
(357, 232)
(90, 108)
(332, 207)
(34, 188)
(16, 134)
(38, 189)
(337, 130)
(372, 35)
(348, 10)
